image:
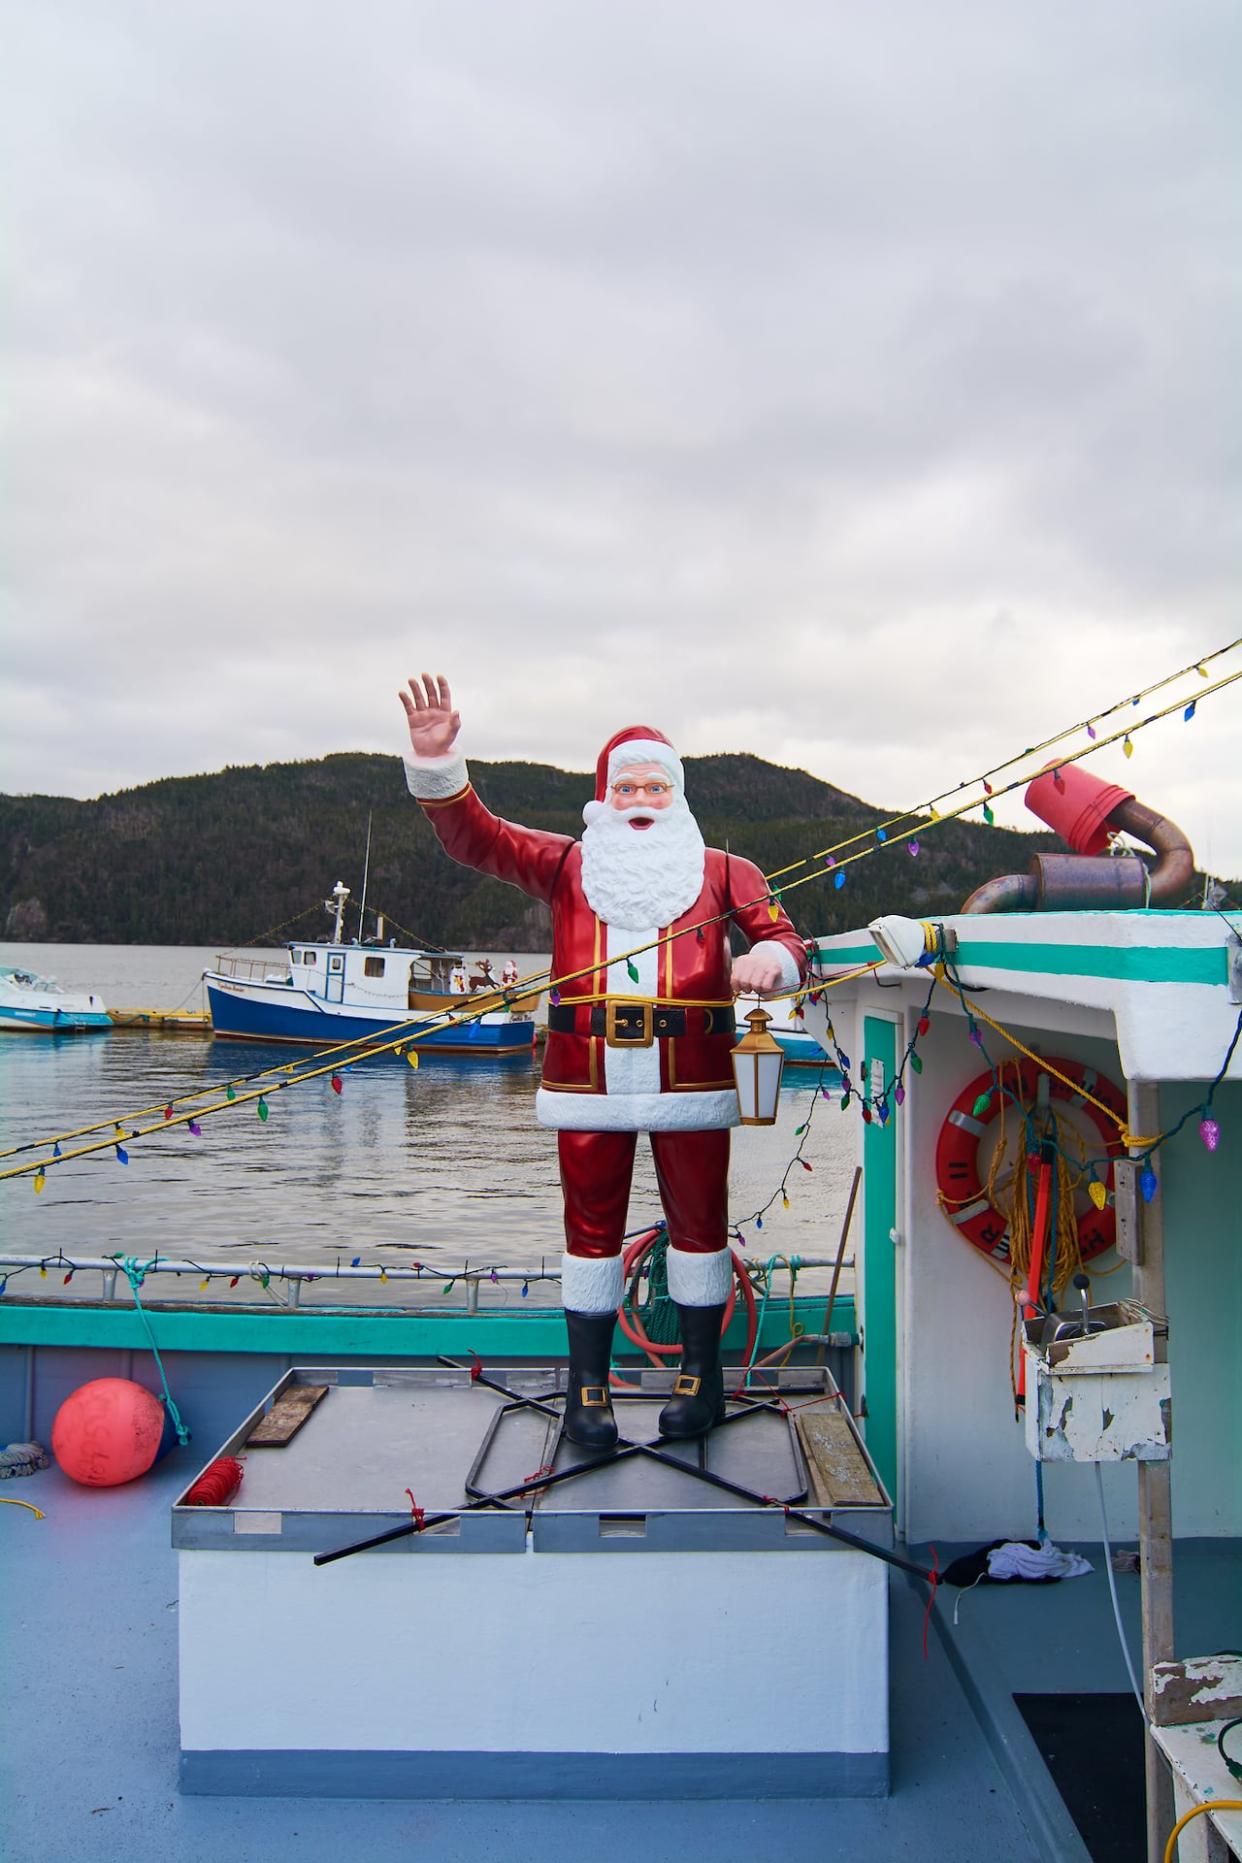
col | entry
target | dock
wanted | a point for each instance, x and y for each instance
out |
(167, 1021)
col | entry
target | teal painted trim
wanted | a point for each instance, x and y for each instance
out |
(538, 1334)
(851, 955)
(1145, 963)
(880, 1261)
(1134, 964)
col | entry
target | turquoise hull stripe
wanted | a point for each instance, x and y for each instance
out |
(1138, 964)
(319, 1336)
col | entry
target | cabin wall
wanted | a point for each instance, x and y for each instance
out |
(964, 1472)
(1203, 1278)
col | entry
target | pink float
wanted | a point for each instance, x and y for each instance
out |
(107, 1432)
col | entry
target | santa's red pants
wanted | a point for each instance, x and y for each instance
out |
(692, 1170)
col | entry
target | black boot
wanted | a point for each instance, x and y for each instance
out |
(698, 1395)
(589, 1421)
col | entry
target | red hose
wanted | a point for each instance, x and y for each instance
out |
(633, 1328)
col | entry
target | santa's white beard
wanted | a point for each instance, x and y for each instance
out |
(638, 877)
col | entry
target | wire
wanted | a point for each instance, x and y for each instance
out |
(408, 1034)
(1112, 1588)
(1032, 750)
(1197, 1811)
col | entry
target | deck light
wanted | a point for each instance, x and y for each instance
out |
(758, 1062)
(907, 943)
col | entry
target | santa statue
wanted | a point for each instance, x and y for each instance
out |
(627, 1053)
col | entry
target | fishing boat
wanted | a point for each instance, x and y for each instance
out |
(31, 1004)
(831, 1718)
(342, 990)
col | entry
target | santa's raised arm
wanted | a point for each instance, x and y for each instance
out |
(640, 1041)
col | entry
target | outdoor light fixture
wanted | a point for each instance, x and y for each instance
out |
(758, 1061)
(908, 943)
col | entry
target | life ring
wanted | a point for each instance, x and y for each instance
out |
(959, 1182)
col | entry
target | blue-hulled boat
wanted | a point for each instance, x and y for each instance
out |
(340, 990)
(37, 1005)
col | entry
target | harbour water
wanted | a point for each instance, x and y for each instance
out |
(444, 1164)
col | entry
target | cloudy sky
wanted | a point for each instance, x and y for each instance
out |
(852, 384)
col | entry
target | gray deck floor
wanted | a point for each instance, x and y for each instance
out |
(88, 1734)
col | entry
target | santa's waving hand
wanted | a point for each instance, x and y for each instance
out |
(433, 722)
(639, 1034)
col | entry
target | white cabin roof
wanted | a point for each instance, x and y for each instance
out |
(1170, 983)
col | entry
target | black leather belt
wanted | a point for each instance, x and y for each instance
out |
(637, 1025)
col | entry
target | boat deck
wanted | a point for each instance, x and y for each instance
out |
(89, 1736)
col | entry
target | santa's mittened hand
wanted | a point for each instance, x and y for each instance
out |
(429, 713)
(751, 974)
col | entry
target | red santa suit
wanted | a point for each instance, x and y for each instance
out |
(630, 1053)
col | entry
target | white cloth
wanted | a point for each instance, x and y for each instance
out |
(1016, 1560)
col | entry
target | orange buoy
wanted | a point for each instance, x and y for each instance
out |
(107, 1432)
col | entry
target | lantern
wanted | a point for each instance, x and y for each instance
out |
(757, 1063)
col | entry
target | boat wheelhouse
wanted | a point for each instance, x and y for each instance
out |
(341, 990)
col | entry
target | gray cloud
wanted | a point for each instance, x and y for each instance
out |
(843, 384)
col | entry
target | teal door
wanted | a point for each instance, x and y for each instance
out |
(879, 1287)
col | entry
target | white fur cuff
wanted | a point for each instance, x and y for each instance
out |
(434, 779)
(699, 1280)
(636, 1112)
(791, 976)
(590, 1284)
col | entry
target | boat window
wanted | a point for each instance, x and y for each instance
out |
(306, 957)
(336, 962)
(373, 967)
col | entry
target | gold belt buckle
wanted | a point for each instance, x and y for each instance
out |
(624, 1037)
(686, 1385)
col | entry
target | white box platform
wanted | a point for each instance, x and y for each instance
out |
(631, 1631)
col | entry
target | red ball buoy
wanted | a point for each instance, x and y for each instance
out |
(107, 1432)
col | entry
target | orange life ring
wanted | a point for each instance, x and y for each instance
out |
(962, 1195)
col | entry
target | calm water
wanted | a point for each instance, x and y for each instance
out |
(445, 1163)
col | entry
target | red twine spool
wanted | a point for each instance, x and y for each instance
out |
(217, 1484)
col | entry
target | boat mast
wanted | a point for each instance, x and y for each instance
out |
(340, 893)
(366, 869)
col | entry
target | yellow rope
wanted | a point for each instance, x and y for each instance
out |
(505, 998)
(1131, 1140)
(7, 1501)
(1032, 750)
(925, 827)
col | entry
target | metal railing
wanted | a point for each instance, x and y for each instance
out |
(296, 1275)
(248, 969)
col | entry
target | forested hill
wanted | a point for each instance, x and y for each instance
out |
(224, 859)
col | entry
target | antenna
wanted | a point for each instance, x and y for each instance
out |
(366, 869)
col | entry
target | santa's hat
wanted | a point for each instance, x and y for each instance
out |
(634, 745)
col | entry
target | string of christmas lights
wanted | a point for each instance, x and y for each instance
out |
(1032, 750)
(407, 1035)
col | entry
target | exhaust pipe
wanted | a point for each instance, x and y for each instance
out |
(1083, 809)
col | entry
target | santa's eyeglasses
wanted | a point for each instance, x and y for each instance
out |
(627, 791)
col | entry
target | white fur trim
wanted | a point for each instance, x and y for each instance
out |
(791, 976)
(696, 1280)
(636, 750)
(433, 779)
(637, 1112)
(591, 1285)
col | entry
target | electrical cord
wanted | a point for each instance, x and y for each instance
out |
(1112, 1590)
